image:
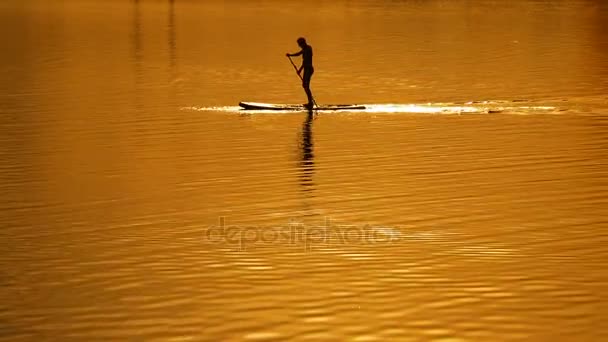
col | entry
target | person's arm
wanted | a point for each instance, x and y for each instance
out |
(294, 54)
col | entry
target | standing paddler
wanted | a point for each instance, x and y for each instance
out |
(306, 52)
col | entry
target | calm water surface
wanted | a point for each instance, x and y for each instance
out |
(467, 204)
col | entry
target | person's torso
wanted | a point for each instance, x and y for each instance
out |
(307, 56)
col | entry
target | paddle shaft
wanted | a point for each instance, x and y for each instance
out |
(296, 68)
(300, 76)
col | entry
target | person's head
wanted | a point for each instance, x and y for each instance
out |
(301, 42)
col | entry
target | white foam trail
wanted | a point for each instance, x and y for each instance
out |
(422, 109)
(213, 109)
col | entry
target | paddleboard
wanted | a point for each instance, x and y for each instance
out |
(274, 106)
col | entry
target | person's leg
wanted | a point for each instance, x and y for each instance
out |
(306, 86)
(309, 95)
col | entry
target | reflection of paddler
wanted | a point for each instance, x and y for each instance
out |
(307, 162)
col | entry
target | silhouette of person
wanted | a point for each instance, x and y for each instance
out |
(306, 53)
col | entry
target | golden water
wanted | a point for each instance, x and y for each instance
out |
(467, 204)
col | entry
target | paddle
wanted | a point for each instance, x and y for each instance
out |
(300, 76)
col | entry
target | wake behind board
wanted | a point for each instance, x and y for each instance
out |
(296, 107)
